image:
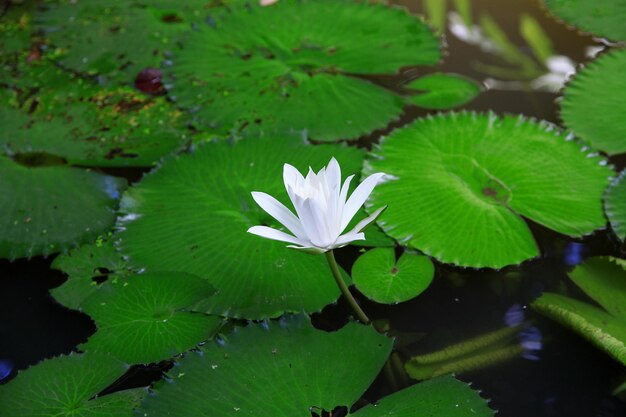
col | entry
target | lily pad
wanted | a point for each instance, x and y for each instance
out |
(593, 102)
(600, 17)
(50, 209)
(192, 214)
(67, 386)
(290, 369)
(615, 205)
(299, 65)
(16, 43)
(88, 124)
(149, 317)
(461, 183)
(381, 278)
(87, 267)
(604, 280)
(443, 91)
(117, 38)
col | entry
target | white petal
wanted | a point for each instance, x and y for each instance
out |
(358, 197)
(333, 176)
(277, 210)
(347, 238)
(309, 249)
(292, 177)
(274, 234)
(306, 218)
(366, 221)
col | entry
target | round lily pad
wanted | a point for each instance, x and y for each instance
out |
(192, 215)
(443, 91)
(50, 209)
(149, 317)
(67, 386)
(600, 17)
(275, 369)
(17, 48)
(299, 65)
(88, 124)
(615, 205)
(593, 103)
(118, 38)
(381, 278)
(461, 182)
(87, 267)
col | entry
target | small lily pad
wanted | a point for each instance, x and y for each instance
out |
(87, 267)
(274, 369)
(381, 278)
(593, 102)
(604, 280)
(50, 209)
(149, 317)
(461, 182)
(192, 214)
(299, 65)
(615, 205)
(67, 386)
(600, 17)
(443, 91)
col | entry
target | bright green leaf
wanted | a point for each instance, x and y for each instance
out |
(615, 205)
(443, 91)
(600, 17)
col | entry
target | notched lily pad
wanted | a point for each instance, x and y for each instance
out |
(593, 102)
(67, 386)
(274, 369)
(193, 212)
(604, 280)
(381, 278)
(600, 17)
(149, 317)
(615, 205)
(299, 66)
(50, 209)
(87, 268)
(442, 91)
(461, 183)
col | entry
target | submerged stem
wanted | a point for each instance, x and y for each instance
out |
(330, 257)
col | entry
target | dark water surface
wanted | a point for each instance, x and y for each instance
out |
(567, 377)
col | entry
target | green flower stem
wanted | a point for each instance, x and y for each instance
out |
(330, 257)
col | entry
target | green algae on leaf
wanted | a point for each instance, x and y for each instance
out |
(593, 103)
(50, 209)
(68, 386)
(604, 280)
(192, 214)
(299, 65)
(615, 205)
(87, 267)
(89, 124)
(604, 18)
(149, 317)
(461, 183)
(381, 278)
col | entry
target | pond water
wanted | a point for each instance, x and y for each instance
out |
(562, 376)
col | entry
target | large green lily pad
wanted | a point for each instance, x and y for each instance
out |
(600, 17)
(593, 102)
(88, 124)
(192, 215)
(87, 267)
(67, 386)
(604, 280)
(615, 205)
(290, 369)
(149, 317)
(117, 38)
(298, 65)
(381, 278)
(461, 182)
(50, 209)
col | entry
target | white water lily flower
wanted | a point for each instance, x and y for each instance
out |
(322, 207)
